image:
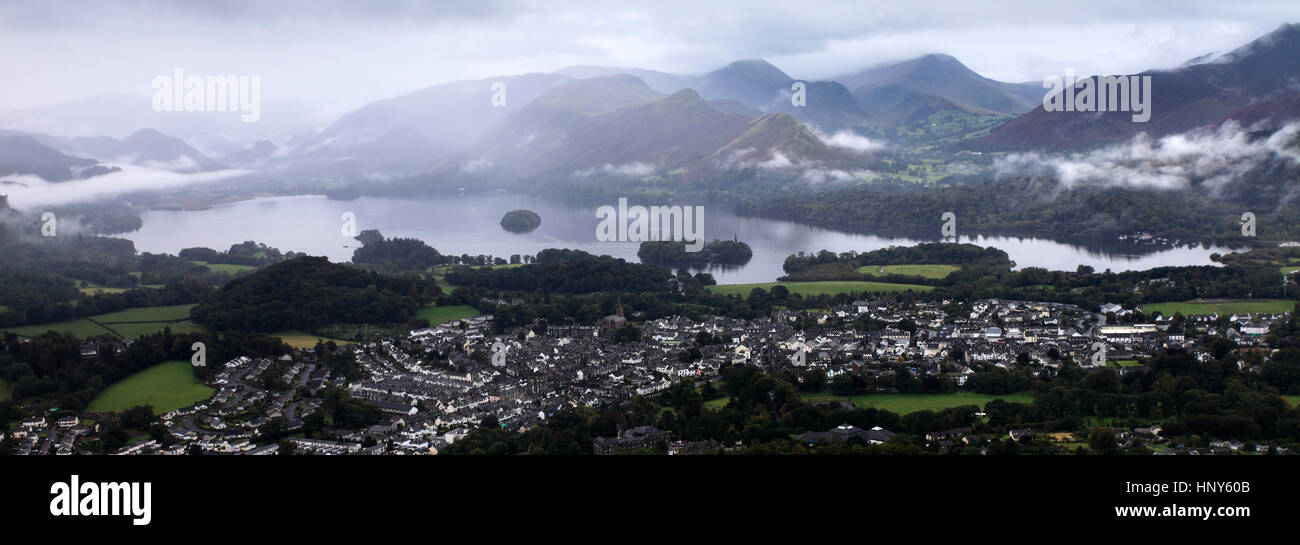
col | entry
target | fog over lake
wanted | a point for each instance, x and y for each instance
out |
(458, 225)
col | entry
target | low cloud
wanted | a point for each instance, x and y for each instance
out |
(751, 158)
(1213, 156)
(817, 176)
(778, 161)
(475, 166)
(628, 170)
(31, 192)
(851, 141)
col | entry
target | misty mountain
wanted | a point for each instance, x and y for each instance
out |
(1269, 114)
(419, 129)
(828, 106)
(751, 87)
(753, 81)
(23, 154)
(897, 104)
(258, 154)
(119, 115)
(660, 82)
(940, 76)
(146, 147)
(680, 131)
(1183, 98)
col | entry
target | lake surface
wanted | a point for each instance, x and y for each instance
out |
(470, 225)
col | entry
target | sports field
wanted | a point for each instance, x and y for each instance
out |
(1187, 308)
(438, 315)
(167, 386)
(905, 403)
(927, 271)
(302, 339)
(819, 288)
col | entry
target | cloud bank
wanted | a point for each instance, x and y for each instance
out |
(1214, 157)
(29, 193)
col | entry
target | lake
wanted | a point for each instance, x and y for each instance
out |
(468, 224)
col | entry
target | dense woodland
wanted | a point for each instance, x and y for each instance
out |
(306, 293)
(566, 271)
(674, 254)
(520, 221)
(401, 254)
(249, 253)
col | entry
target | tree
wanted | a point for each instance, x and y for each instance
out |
(842, 384)
(1102, 441)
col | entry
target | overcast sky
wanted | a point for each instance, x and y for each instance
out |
(335, 55)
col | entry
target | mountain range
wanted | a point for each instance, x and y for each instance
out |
(596, 119)
(1245, 84)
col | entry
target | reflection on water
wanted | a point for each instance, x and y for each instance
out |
(470, 225)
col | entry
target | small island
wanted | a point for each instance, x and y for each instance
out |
(520, 221)
(674, 254)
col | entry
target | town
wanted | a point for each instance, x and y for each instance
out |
(435, 385)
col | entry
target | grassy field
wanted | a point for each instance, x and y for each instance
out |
(1127, 363)
(1231, 307)
(1289, 270)
(927, 271)
(1294, 401)
(438, 315)
(80, 327)
(301, 339)
(97, 291)
(132, 322)
(224, 267)
(147, 314)
(905, 403)
(819, 288)
(6, 392)
(167, 386)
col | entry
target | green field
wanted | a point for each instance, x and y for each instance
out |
(1273, 306)
(927, 271)
(80, 327)
(147, 314)
(301, 339)
(97, 291)
(905, 403)
(167, 386)
(1289, 270)
(819, 288)
(1294, 401)
(1127, 363)
(132, 322)
(224, 267)
(439, 315)
(6, 392)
